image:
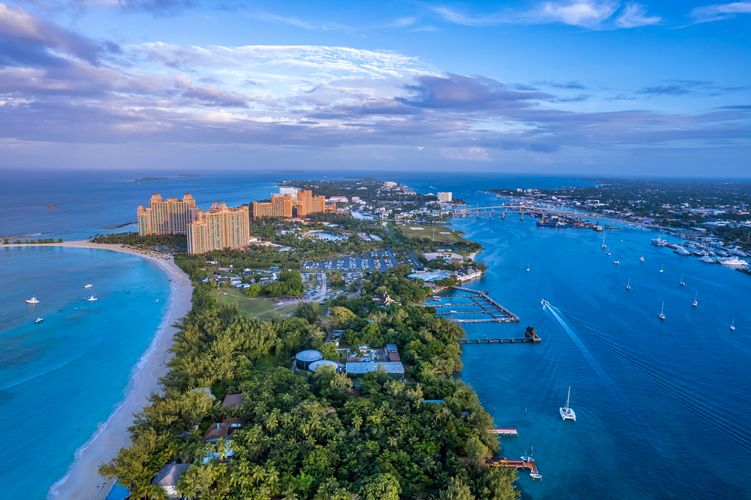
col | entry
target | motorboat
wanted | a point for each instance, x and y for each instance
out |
(732, 325)
(695, 302)
(641, 259)
(616, 262)
(38, 320)
(662, 312)
(683, 282)
(567, 413)
(88, 285)
(628, 285)
(91, 298)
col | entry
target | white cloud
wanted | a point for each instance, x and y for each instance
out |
(466, 154)
(717, 12)
(589, 14)
(634, 15)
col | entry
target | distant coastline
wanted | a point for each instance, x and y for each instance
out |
(82, 480)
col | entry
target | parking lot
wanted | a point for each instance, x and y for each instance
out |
(376, 260)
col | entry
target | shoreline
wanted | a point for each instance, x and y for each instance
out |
(82, 479)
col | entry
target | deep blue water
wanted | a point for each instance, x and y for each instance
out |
(663, 407)
(61, 378)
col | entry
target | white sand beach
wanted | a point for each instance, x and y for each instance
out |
(83, 480)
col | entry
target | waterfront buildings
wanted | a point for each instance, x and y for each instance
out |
(219, 228)
(170, 216)
(290, 202)
(445, 197)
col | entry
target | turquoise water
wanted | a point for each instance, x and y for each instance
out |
(60, 379)
(663, 408)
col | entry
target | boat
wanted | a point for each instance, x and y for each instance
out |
(732, 325)
(535, 475)
(681, 250)
(734, 262)
(695, 303)
(603, 245)
(32, 300)
(641, 259)
(628, 284)
(662, 312)
(38, 320)
(662, 269)
(616, 262)
(91, 298)
(683, 282)
(88, 285)
(528, 269)
(708, 260)
(659, 242)
(610, 253)
(567, 413)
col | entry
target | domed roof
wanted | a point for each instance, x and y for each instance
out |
(308, 355)
(321, 363)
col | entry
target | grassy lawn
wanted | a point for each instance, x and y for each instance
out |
(435, 232)
(256, 307)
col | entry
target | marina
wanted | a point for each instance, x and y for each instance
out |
(472, 302)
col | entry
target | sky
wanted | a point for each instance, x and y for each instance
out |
(602, 87)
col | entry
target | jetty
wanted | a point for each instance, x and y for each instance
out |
(476, 303)
(505, 432)
(530, 336)
(529, 464)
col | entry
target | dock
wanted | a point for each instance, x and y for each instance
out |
(474, 302)
(530, 464)
(512, 340)
(505, 432)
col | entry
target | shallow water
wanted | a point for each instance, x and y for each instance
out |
(60, 379)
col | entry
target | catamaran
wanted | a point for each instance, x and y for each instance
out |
(695, 303)
(567, 413)
(662, 312)
(732, 325)
(32, 300)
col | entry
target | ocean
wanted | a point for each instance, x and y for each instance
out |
(663, 407)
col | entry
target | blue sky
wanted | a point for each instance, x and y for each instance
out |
(570, 86)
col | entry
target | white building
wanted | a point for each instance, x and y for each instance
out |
(445, 197)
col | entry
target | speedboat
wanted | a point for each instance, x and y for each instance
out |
(91, 298)
(567, 413)
(695, 303)
(32, 300)
(732, 325)
(662, 312)
(535, 475)
(38, 320)
(88, 285)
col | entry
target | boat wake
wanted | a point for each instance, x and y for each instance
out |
(598, 369)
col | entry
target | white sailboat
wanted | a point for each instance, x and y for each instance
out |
(628, 284)
(641, 259)
(32, 300)
(603, 245)
(695, 303)
(567, 413)
(662, 312)
(91, 298)
(683, 282)
(732, 325)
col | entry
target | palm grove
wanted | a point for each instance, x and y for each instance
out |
(314, 435)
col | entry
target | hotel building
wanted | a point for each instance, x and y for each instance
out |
(170, 216)
(445, 197)
(219, 228)
(288, 204)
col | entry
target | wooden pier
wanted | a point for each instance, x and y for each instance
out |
(505, 432)
(515, 464)
(514, 340)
